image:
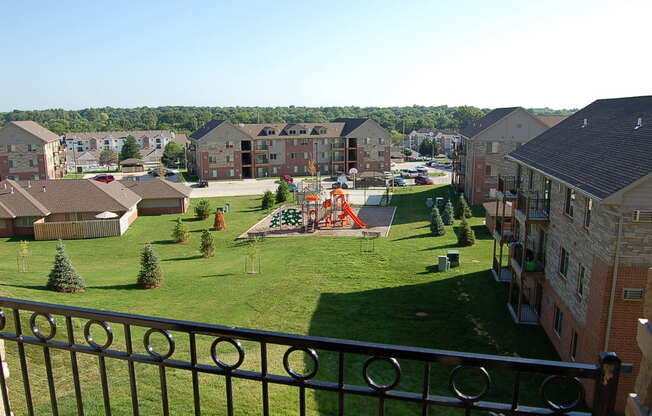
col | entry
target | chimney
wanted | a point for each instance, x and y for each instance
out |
(43, 188)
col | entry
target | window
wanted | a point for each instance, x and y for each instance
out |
(31, 148)
(579, 290)
(492, 192)
(367, 166)
(295, 169)
(12, 164)
(229, 145)
(564, 260)
(558, 320)
(31, 163)
(302, 131)
(231, 172)
(587, 212)
(214, 173)
(530, 180)
(293, 155)
(324, 141)
(367, 140)
(325, 167)
(272, 156)
(24, 221)
(106, 142)
(304, 141)
(569, 201)
(305, 155)
(494, 147)
(293, 132)
(367, 154)
(322, 155)
(381, 166)
(381, 140)
(295, 142)
(305, 168)
(322, 131)
(271, 132)
(573, 348)
(212, 159)
(274, 170)
(229, 158)
(381, 153)
(36, 177)
(11, 148)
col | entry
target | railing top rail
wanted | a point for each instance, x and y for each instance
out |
(329, 344)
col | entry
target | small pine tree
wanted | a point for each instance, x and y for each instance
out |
(203, 209)
(436, 223)
(447, 215)
(180, 233)
(219, 223)
(466, 236)
(268, 200)
(150, 275)
(63, 277)
(207, 246)
(282, 192)
(466, 210)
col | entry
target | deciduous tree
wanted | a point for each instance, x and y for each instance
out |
(130, 149)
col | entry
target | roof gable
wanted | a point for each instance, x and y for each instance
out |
(600, 157)
(485, 122)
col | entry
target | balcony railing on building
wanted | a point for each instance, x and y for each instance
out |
(531, 206)
(507, 186)
(340, 369)
(528, 261)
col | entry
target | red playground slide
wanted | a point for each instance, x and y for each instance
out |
(348, 211)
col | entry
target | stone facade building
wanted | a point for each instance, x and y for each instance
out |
(222, 150)
(580, 242)
(484, 144)
(30, 151)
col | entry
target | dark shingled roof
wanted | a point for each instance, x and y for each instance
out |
(205, 129)
(350, 124)
(486, 121)
(601, 158)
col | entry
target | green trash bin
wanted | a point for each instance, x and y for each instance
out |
(454, 257)
(443, 265)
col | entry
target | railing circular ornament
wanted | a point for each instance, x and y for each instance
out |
(372, 383)
(236, 344)
(37, 333)
(311, 353)
(150, 349)
(89, 338)
(562, 408)
(452, 386)
(3, 320)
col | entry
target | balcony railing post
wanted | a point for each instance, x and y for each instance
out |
(604, 400)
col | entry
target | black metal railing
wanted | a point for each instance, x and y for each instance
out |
(503, 225)
(508, 185)
(532, 206)
(27, 330)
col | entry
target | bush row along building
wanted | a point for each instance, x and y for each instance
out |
(572, 226)
(221, 150)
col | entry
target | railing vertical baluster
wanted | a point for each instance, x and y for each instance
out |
(75, 367)
(340, 384)
(229, 393)
(302, 399)
(23, 363)
(105, 384)
(606, 386)
(195, 375)
(516, 390)
(3, 387)
(132, 372)
(164, 390)
(381, 404)
(48, 372)
(263, 373)
(426, 389)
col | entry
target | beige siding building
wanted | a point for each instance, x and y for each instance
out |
(30, 151)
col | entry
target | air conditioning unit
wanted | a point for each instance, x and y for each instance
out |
(642, 216)
(632, 294)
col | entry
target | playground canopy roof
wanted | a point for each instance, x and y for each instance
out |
(338, 191)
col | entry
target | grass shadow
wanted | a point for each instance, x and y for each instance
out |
(126, 286)
(197, 256)
(163, 242)
(411, 237)
(34, 287)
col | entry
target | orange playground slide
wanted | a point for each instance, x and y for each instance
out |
(348, 211)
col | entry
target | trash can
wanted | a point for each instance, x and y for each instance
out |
(429, 202)
(439, 201)
(227, 207)
(454, 257)
(443, 265)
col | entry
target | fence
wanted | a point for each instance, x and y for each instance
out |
(332, 352)
(67, 230)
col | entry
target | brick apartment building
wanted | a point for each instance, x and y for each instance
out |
(30, 151)
(480, 156)
(579, 240)
(221, 149)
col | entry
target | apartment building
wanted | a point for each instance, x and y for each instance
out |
(445, 139)
(579, 239)
(480, 155)
(114, 140)
(30, 151)
(221, 149)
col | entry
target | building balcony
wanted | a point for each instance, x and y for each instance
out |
(503, 229)
(507, 187)
(532, 208)
(106, 370)
(531, 265)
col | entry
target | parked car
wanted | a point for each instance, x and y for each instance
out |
(448, 165)
(423, 171)
(293, 187)
(104, 178)
(399, 181)
(342, 185)
(409, 173)
(388, 175)
(203, 183)
(423, 180)
(287, 178)
(168, 172)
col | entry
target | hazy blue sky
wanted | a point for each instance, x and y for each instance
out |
(64, 54)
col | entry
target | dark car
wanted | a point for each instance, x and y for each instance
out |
(398, 181)
(104, 178)
(342, 185)
(423, 180)
(287, 178)
(202, 183)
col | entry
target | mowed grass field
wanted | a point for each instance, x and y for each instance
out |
(321, 286)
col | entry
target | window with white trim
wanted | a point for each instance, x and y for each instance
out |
(558, 322)
(295, 169)
(495, 146)
(305, 155)
(564, 261)
(581, 279)
(214, 173)
(231, 172)
(569, 201)
(272, 156)
(588, 209)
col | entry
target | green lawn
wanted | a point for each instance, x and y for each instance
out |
(320, 286)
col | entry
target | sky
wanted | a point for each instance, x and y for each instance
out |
(559, 54)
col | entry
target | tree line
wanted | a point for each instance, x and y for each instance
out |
(188, 119)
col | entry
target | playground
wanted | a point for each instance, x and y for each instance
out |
(324, 213)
